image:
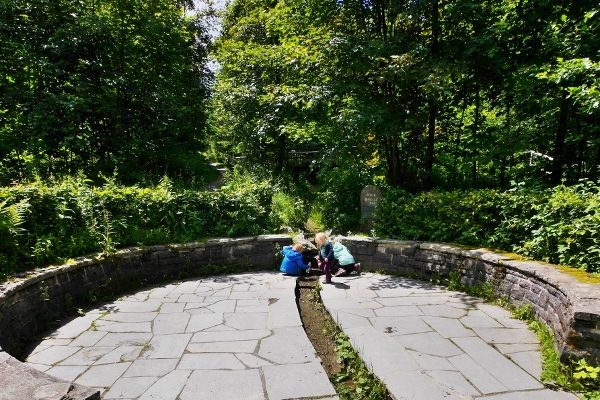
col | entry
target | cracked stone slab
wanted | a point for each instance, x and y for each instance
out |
(120, 354)
(200, 322)
(509, 374)
(136, 306)
(88, 338)
(529, 361)
(170, 323)
(168, 387)
(102, 375)
(110, 326)
(429, 343)
(129, 388)
(221, 361)
(297, 381)
(228, 336)
(400, 325)
(129, 317)
(86, 356)
(76, 327)
(224, 385)
(242, 346)
(252, 361)
(118, 339)
(448, 327)
(167, 346)
(533, 395)
(287, 346)
(159, 367)
(506, 335)
(246, 320)
(53, 354)
(66, 372)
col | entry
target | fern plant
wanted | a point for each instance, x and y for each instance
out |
(12, 217)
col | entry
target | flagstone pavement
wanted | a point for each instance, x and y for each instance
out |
(426, 342)
(224, 337)
(241, 337)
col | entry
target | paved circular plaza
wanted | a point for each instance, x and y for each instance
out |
(240, 337)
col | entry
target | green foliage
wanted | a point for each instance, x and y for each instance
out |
(288, 210)
(338, 199)
(426, 94)
(364, 384)
(72, 218)
(559, 225)
(99, 86)
(587, 375)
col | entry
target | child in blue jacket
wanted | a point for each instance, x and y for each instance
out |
(292, 263)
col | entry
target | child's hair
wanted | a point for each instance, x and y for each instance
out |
(298, 247)
(321, 238)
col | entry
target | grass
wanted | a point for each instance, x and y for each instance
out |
(577, 376)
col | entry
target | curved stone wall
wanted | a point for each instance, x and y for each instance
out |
(31, 304)
(28, 306)
(569, 307)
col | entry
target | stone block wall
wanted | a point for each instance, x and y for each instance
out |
(569, 307)
(29, 306)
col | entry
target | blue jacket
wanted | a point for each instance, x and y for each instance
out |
(292, 262)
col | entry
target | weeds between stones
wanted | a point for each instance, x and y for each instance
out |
(341, 362)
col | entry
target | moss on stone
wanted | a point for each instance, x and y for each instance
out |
(579, 274)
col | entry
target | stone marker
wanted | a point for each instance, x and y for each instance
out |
(369, 198)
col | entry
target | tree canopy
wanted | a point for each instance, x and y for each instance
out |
(425, 93)
(100, 86)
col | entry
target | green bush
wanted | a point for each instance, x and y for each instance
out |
(288, 211)
(560, 225)
(42, 224)
(338, 200)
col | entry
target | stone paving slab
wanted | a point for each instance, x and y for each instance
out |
(427, 343)
(226, 337)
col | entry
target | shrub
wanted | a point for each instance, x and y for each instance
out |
(42, 224)
(338, 199)
(288, 210)
(560, 225)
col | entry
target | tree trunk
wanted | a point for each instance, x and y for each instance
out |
(475, 131)
(559, 141)
(430, 143)
(581, 150)
(435, 34)
(504, 159)
(281, 153)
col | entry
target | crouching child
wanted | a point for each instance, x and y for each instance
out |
(345, 260)
(292, 263)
